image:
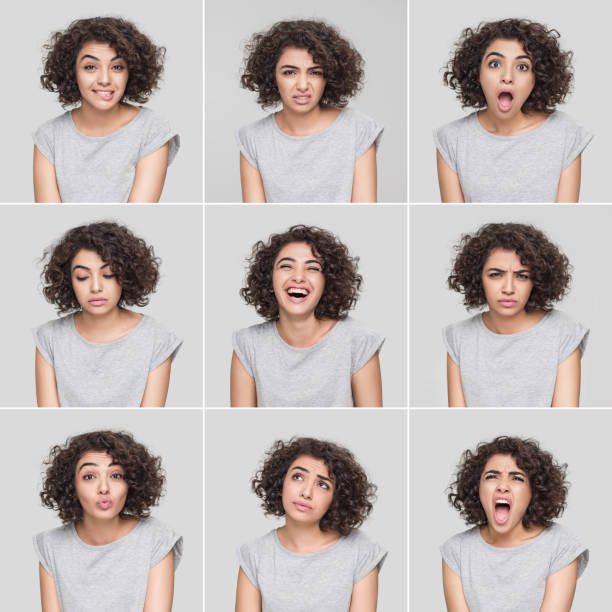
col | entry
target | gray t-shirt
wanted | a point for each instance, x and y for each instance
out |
(108, 578)
(521, 168)
(512, 369)
(110, 374)
(101, 169)
(315, 168)
(319, 375)
(321, 581)
(510, 579)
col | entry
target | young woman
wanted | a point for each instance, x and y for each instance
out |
(109, 554)
(518, 148)
(520, 352)
(102, 354)
(313, 149)
(318, 560)
(515, 557)
(309, 352)
(105, 150)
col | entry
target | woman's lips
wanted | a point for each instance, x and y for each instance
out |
(97, 301)
(297, 294)
(302, 507)
(507, 303)
(105, 504)
(505, 100)
(501, 511)
(305, 99)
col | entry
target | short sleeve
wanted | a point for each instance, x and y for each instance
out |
(569, 548)
(246, 144)
(43, 552)
(573, 335)
(369, 556)
(45, 141)
(446, 143)
(166, 345)
(577, 140)
(364, 344)
(451, 342)
(242, 343)
(368, 132)
(165, 540)
(43, 338)
(247, 557)
(158, 133)
(451, 553)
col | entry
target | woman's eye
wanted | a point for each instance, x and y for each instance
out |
(490, 476)
(82, 278)
(296, 477)
(324, 485)
(494, 64)
(494, 275)
(317, 73)
(117, 476)
(523, 67)
(519, 478)
(288, 72)
(523, 276)
(109, 275)
(315, 269)
(118, 67)
(88, 477)
(89, 67)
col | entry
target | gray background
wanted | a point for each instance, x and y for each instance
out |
(231, 231)
(432, 104)
(236, 441)
(378, 31)
(179, 98)
(580, 231)
(26, 437)
(442, 435)
(25, 231)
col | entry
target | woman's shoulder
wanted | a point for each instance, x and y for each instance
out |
(457, 127)
(52, 537)
(460, 539)
(58, 325)
(260, 544)
(255, 332)
(256, 128)
(469, 325)
(357, 117)
(59, 122)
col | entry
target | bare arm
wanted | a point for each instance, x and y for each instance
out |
(456, 399)
(248, 598)
(560, 589)
(364, 177)
(242, 385)
(450, 186)
(365, 593)
(567, 383)
(366, 384)
(150, 176)
(453, 590)
(45, 181)
(569, 182)
(48, 593)
(251, 182)
(46, 385)
(156, 389)
(160, 586)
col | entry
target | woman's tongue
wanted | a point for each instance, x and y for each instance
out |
(504, 101)
(502, 513)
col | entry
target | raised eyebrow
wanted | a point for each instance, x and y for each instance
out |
(97, 59)
(299, 467)
(297, 67)
(96, 465)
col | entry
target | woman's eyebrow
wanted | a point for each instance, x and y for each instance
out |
(97, 59)
(297, 67)
(96, 465)
(298, 467)
(308, 261)
(89, 269)
(502, 55)
(497, 472)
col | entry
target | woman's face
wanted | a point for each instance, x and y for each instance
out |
(506, 282)
(506, 77)
(101, 76)
(299, 79)
(505, 493)
(95, 286)
(308, 490)
(297, 279)
(100, 485)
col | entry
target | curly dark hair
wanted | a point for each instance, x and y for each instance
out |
(341, 62)
(549, 269)
(546, 477)
(342, 282)
(145, 61)
(552, 66)
(142, 473)
(131, 260)
(353, 492)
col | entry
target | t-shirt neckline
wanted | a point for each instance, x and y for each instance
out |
(112, 134)
(112, 544)
(334, 123)
(479, 127)
(517, 334)
(304, 349)
(306, 555)
(511, 548)
(112, 342)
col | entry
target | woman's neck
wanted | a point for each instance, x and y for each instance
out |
(94, 122)
(305, 124)
(305, 538)
(518, 536)
(106, 327)
(520, 123)
(502, 324)
(97, 532)
(302, 332)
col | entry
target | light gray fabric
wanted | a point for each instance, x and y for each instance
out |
(510, 579)
(522, 168)
(512, 369)
(110, 374)
(108, 578)
(315, 168)
(319, 375)
(101, 169)
(321, 581)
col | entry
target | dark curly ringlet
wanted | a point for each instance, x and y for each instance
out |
(546, 477)
(552, 66)
(131, 260)
(142, 473)
(342, 282)
(549, 269)
(145, 61)
(341, 62)
(353, 493)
